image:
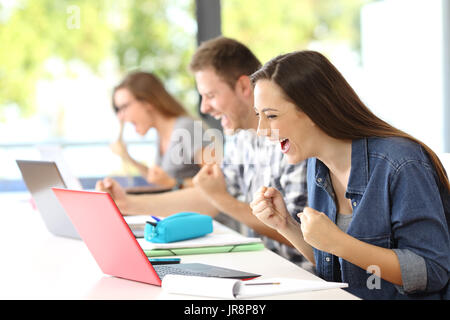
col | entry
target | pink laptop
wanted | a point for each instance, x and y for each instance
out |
(112, 244)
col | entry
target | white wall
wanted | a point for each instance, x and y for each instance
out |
(402, 55)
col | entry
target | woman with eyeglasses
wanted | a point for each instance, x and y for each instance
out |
(378, 210)
(141, 99)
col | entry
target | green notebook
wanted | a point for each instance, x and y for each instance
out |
(204, 250)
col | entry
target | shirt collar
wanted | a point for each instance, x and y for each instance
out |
(359, 172)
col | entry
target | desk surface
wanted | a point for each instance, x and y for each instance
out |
(37, 265)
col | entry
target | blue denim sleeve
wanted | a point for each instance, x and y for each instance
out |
(419, 225)
(414, 271)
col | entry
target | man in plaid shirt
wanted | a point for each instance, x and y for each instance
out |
(222, 67)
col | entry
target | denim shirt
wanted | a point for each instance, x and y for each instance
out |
(397, 204)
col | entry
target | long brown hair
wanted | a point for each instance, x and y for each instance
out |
(147, 87)
(314, 85)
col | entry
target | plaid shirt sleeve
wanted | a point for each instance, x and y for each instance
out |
(231, 169)
(290, 180)
(292, 184)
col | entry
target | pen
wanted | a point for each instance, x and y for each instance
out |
(156, 261)
(152, 223)
(261, 283)
(156, 218)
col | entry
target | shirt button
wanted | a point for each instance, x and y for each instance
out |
(319, 180)
(327, 259)
(354, 203)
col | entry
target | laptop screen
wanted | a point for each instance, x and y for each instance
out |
(107, 235)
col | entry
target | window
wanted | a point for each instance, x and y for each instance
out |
(391, 51)
(60, 63)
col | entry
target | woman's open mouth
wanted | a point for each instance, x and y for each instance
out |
(285, 145)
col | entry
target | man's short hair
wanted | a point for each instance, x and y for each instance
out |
(229, 58)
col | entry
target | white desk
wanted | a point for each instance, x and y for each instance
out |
(37, 265)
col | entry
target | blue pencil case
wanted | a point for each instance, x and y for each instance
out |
(177, 227)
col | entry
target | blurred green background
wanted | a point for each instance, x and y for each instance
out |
(156, 35)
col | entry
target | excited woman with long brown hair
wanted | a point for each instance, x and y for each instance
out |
(378, 199)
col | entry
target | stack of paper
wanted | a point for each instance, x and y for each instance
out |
(211, 243)
(237, 289)
(221, 240)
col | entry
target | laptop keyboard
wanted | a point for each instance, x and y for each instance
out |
(163, 270)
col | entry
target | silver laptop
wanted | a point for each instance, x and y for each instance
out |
(40, 177)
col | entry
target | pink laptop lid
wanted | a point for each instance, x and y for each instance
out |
(107, 235)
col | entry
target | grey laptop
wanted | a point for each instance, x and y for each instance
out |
(40, 177)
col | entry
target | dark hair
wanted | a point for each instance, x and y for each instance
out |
(314, 85)
(146, 87)
(229, 58)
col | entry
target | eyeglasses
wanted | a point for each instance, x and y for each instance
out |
(118, 109)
